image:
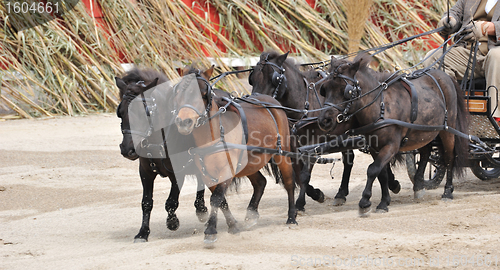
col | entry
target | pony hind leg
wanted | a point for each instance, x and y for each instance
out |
(448, 140)
(418, 182)
(394, 184)
(285, 166)
(259, 183)
(385, 201)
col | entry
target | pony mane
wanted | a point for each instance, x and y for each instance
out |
(191, 69)
(146, 75)
(291, 64)
(365, 60)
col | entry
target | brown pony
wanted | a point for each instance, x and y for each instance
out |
(216, 129)
(386, 106)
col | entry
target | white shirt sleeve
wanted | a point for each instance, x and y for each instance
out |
(489, 5)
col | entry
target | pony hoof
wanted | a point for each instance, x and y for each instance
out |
(397, 189)
(202, 216)
(418, 195)
(321, 198)
(209, 240)
(250, 222)
(364, 212)
(447, 195)
(301, 212)
(233, 230)
(291, 221)
(339, 201)
(172, 223)
(447, 198)
(382, 210)
(140, 240)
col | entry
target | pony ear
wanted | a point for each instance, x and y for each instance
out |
(362, 60)
(152, 84)
(281, 59)
(207, 74)
(263, 56)
(120, 84)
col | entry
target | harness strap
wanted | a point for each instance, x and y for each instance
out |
(414, 98)
(220, 147)
(241, 112)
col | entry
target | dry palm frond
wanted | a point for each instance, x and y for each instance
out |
(357, 13)
(67, 66)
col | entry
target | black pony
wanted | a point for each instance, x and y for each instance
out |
(277, 76)
(385, 105)
(131, 85)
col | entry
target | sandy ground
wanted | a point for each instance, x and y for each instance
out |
(68, 200)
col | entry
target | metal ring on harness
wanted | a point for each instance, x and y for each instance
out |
(341, 118)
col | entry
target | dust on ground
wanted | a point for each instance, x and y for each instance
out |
(69, 200)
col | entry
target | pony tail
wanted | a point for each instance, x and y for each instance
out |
(275, 171)
(461, 149)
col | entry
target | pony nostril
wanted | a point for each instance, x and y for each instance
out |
(327, 121)
(131, 153)
(188, 122)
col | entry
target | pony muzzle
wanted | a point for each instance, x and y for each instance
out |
(186, 120)
(326, 120)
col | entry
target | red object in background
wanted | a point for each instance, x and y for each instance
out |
(94, 10)
(207, 11)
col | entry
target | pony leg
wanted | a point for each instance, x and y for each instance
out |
(394, 184)
(230, 220)
(348, 161)
(379, 163)
(298, 167)
(315, 193)
(259, 183)
(147, 180)
(418, 181)
(449, 158)
(199, 203)
(385, 201)
(285, 166)
(217, 200)
(303, 170)
(172, 202)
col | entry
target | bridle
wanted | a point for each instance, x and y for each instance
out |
(278, 77)
(203, 117)
(352, 92)
(150, 112)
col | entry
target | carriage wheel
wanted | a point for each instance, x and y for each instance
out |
(489, 168)
(434, 171)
